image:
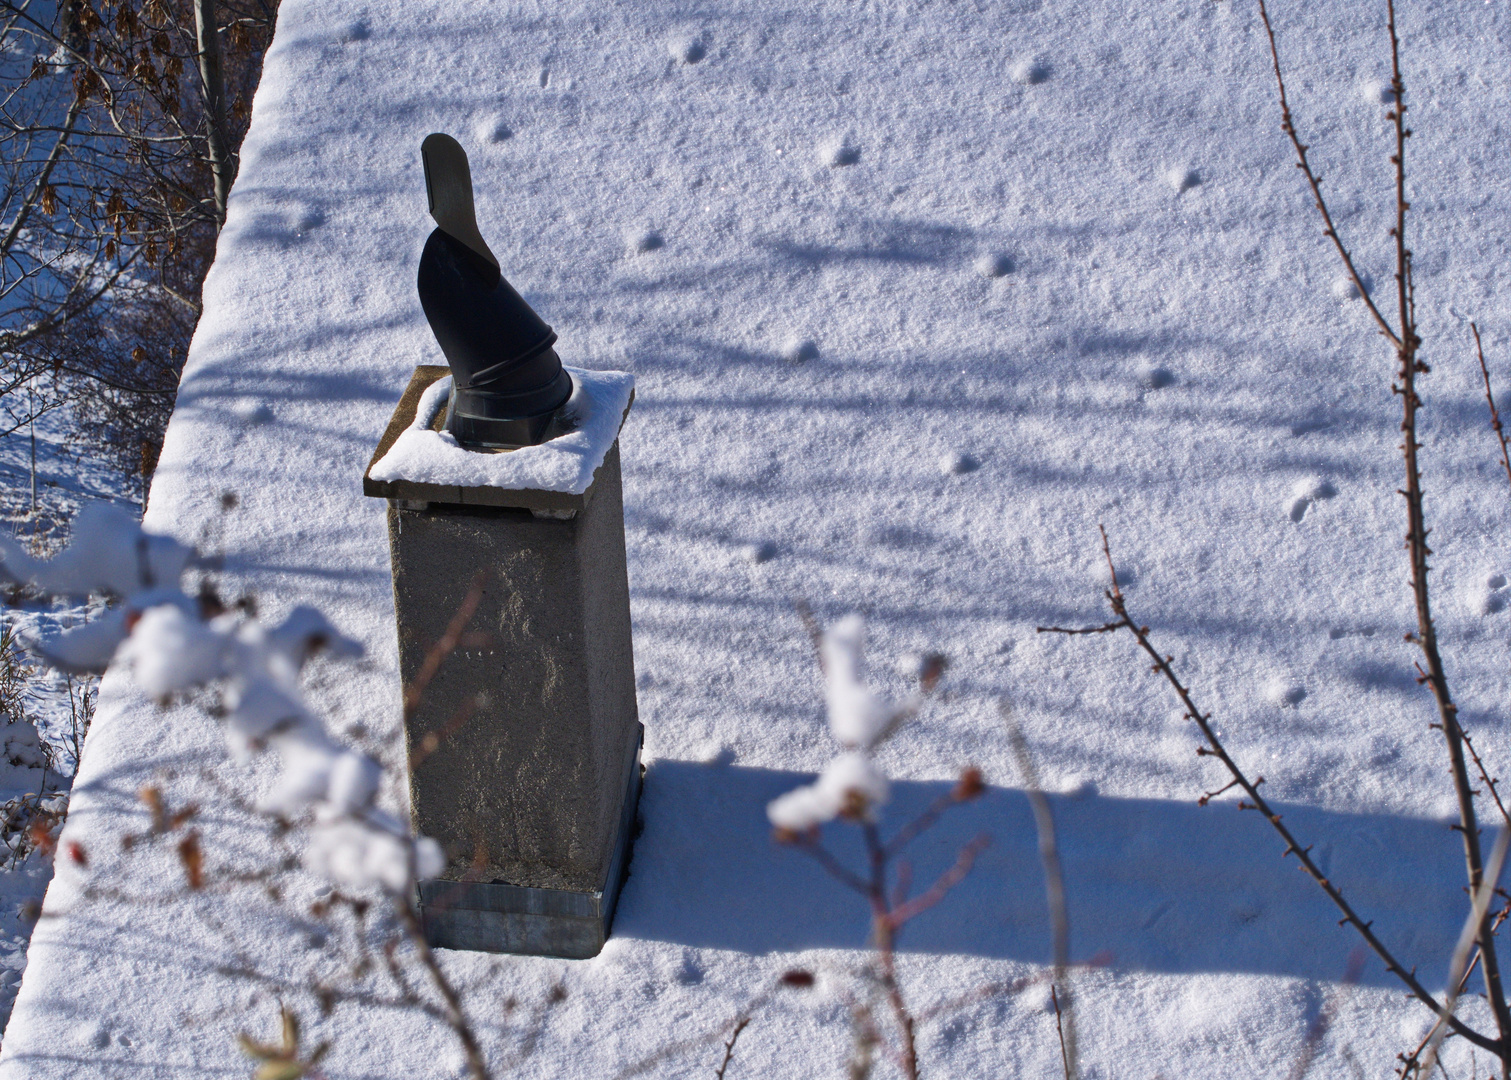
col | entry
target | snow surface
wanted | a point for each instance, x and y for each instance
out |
(1166, 357)
(566, 463)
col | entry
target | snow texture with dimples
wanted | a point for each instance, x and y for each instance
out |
(1045, 131)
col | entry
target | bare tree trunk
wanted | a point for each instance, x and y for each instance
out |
(33, 410)
(213, 86)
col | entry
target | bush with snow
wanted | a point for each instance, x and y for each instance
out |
(175, 644)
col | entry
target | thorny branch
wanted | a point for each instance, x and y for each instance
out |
(1459, 966)
(1329, 230)
(1411, 1065)
(1163, 666)
(1491, 783)
(1495, 416)
(1406, 343)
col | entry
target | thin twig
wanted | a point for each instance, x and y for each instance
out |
(1054, 999)
(456, 1019)
(434, 740)
(946, 881)
(1410, 1063)
(1054, 878)
(815, 631)
(1489, 781)
(820, 854)
(729, 1046)
(448, 643)
(713, 1035)
(1495, 416)
(1406, 344)
(1478, 913)
(886, 940)
(1315, 183)
(1416, 542)
(924, 821)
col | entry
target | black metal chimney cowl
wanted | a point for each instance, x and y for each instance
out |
(507, 381)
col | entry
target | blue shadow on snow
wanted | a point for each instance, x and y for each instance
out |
(1154, 885)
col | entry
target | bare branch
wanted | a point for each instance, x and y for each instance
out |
(1495, 416)
(1458, 966)
(1054, 878)
(455, 1017)
(1315, 183)
(1162, 665)
(729, 1047)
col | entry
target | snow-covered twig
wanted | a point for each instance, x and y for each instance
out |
(852, 788)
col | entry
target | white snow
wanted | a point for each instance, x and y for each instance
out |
(1213, 954)
(686, 47)
(958, 462)
(170, 651)
(107, 555)
(858, 719)
(838, 153)
(799, 350)
(566, 463)
(644, 241)
(849, 785)
(1182, 178)
(1030, 72)
(994, 265)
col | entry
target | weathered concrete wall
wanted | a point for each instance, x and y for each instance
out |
(528, 789)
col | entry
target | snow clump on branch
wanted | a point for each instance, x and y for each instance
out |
(173, 643)
(850, 786)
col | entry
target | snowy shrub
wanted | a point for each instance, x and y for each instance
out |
(850, 786)
(175, 644)
(23, 744)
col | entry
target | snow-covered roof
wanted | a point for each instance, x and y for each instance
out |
(914, 295)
